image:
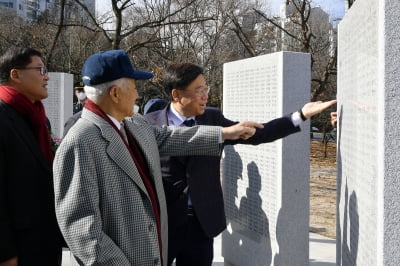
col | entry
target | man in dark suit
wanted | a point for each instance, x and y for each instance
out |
(192, 184)
(29, 234)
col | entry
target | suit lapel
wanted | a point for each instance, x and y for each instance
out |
(144, 142)
(159, 118)
(116, 148)
(162, 117)
(150, 152)
(26, 134)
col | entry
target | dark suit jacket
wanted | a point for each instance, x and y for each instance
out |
(202, 173)
(28, 226)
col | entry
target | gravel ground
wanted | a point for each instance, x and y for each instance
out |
(323, 189)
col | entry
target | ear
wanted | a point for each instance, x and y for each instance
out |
(15, 75)
(175, 95)
(115, 93)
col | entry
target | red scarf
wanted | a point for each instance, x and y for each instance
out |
(140, 162)
(34, 113)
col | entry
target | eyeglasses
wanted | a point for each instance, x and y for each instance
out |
(202, 91)
(43, 70)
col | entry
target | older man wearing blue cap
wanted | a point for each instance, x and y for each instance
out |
(110, 202)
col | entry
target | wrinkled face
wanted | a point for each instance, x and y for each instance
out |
(129, 97)
(193, 99)
(32, 79)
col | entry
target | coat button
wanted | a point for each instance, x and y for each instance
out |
(156, 260)
(151, 228)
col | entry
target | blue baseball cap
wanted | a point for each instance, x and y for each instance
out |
(108, 66)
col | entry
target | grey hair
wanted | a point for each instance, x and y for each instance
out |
(96, 92)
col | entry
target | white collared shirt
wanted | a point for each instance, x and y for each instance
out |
(175, 118)
(115, 121)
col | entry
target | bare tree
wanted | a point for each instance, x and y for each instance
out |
(299, 31)
(127, 18)
(157, 33)
(15, 31)
(198, 43)
(308, 30)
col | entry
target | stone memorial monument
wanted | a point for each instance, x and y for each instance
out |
(368, 151)
(266, 187)
(59, 103)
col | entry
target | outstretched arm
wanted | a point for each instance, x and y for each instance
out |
(313, 108)
(242, 130)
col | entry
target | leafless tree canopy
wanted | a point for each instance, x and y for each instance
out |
(156, 33)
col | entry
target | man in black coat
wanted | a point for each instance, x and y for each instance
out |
(29, 234)
(192, 184)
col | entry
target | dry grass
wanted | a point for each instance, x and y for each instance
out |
(323, 189)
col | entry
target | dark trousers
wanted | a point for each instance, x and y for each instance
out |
(188, 244)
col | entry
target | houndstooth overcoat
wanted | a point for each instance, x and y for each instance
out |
(102, 206)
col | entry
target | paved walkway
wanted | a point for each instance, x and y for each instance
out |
(322, 252)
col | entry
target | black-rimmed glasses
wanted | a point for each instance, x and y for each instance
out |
(43, 70)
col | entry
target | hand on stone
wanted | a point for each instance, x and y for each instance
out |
(313, 108)
(242, 130)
